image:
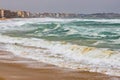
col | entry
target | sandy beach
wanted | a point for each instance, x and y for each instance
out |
(15, 68)
(60, 40)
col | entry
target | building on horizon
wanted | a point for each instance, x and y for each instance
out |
(13, 14)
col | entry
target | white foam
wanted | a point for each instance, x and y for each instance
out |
(59, 53)
(65, 54)
(102, 20)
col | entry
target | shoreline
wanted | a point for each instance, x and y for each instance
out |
(16, 68)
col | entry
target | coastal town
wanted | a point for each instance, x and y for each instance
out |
(13, 14)
(26, 14)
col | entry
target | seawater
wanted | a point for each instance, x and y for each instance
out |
(83, 44)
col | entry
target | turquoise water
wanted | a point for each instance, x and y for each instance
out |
(87, 32)
(85, 44)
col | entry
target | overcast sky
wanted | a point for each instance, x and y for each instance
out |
(72, 6)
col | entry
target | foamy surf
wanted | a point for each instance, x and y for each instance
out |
(75, 43)
(65, 54)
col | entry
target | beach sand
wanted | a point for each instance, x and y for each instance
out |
(16, 68)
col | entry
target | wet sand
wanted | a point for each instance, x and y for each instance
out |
(15, 68)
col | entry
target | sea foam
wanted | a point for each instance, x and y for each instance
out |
(53, 41)
(65, 54)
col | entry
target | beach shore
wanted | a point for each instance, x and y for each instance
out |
(15, 68)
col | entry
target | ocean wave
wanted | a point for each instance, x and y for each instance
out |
(63, 29)
(84, 44)
(65, 54)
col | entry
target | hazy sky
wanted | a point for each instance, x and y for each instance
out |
(75, 6)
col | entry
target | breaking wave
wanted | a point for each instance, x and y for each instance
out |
(83, 44)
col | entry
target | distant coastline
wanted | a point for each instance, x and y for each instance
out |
(25, 14)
